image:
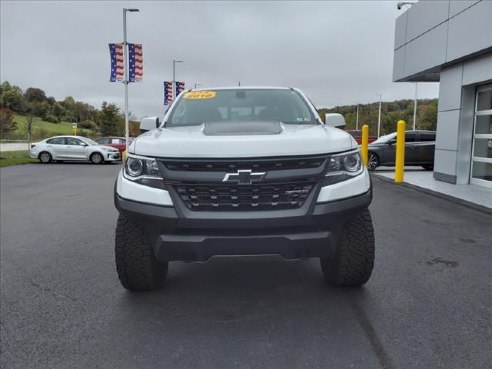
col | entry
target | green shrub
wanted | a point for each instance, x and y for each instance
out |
(51, 118)
(89, 124)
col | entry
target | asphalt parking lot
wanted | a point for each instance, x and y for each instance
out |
(428, 304)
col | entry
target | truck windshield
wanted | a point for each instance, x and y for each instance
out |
(240, 105)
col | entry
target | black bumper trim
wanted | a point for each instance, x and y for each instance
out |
(201, 248)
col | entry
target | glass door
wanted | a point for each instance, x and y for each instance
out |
(481, 163)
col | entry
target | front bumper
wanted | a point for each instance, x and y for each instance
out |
(112, 156)
(197, 236)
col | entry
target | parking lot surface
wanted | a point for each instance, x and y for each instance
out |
(428, 304)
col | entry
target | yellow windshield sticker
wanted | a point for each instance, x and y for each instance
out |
(194, 95)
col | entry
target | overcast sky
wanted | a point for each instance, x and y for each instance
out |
(338, 52)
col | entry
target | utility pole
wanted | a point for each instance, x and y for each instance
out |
(415, 108)
(125, 61)
(379, 116)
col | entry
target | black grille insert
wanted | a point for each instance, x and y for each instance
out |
(258, 165)
(244, 198)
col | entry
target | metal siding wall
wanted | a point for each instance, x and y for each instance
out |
(399, 64)
(426, 51)
(401, 30)
(429, 27)
(457, 6)
(448, 120)
(447, 130)
(424, 16)
(438, 33)
(470, 31)
(478, 70)
(449, 88)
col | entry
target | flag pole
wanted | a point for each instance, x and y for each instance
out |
(125, 60)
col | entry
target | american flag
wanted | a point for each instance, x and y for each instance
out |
(180, 87)
(117, 64)
(168, 93)
(135, 56)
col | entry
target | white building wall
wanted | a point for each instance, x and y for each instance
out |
(435, 33)
(451, 42)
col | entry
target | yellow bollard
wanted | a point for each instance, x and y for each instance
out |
(123, 155)
(365, 142)
(400, 152)
(75, 131)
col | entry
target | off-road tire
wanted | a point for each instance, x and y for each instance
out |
(97, 158)
(354, 259)
(372, 161)
(137, 268)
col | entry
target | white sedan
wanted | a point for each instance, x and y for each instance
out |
(73, 148)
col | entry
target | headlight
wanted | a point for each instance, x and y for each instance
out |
(343, 166)
(143, 170)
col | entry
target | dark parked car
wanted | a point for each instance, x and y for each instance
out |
(357, 134)
(419, 150)
(116, 142)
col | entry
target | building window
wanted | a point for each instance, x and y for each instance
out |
(481, 168)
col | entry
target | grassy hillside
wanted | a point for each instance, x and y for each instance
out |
(43, 129)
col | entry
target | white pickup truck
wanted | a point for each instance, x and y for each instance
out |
(243, 171)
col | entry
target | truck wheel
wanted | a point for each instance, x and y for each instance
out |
(354, 259)
(137, 268)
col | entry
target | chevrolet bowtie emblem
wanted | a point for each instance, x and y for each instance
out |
(244, 177)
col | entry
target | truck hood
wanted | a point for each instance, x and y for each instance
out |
(198, 142)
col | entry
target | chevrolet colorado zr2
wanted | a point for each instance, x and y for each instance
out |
(243, 171)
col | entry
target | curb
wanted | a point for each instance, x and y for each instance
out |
(456, 200)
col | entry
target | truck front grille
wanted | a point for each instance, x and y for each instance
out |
(244, 197)
(232, 165)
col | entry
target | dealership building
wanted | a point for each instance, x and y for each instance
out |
(450, 42)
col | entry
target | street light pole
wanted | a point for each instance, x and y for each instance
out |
(125, 60)
(415, 108)
(174, 77)
(379, 116)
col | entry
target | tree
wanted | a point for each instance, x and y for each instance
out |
(111, 123)
(392, 112)
(7, 123)
(11, 97)
(69, 103)
(59, 110)
(41, 109)
(35, 95)
(427, 119)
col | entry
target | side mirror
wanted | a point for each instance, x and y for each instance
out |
(335, 120)
(146, 124)
(391, 142)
